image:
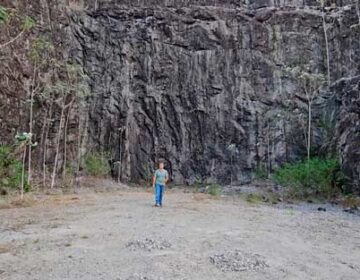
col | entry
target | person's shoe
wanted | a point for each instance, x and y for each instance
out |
(157, 205)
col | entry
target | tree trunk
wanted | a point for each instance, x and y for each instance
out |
(65, 140)
(309, 131)
(31, 89)
(120, 159)
(23, 175)
(326, 46)
(231, 171)
(268, 152)
(57, 147)
(45, 139)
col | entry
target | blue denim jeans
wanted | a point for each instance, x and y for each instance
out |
(159, 191)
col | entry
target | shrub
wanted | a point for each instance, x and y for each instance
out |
(260, 173)
(10, 170)
(253, 198)
(213, 189)
(319, 177)
(96, 164)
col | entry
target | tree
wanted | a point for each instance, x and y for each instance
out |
(71, 90)
(39, 55)
(310, 85)
(24, 141)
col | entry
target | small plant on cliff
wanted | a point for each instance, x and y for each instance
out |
(97, 164)
(6, 16)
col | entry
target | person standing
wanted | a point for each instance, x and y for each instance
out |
(160, 178)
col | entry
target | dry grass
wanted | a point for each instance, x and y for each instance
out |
(30, 200)
(14, 201)
(351, 202)
(4, 248)
(201, 196)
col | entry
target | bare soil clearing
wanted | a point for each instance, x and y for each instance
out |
(119, 235)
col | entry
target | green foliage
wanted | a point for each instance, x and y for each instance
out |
(214, 190)
(96, 164)
(316, 177)
(10, 169)
(253, 198)
(4, 14)
(260, 173)
(76, 84)
(25, 138)
(310, 82)
(28, 23)
(40, 51)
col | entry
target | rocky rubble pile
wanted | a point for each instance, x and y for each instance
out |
(238, 261)
(148, 244)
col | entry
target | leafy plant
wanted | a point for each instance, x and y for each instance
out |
(10, 170)
(27, 23)
(318, 177)
(96, 164)
(214, 190)
(311, 84)
(260, 173)
(24, 140)
(4, 14)
(253, 198)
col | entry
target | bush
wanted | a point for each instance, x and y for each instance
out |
(319, 177)
(260, 173)
(97, 164)
(214, 190)
(10, 170)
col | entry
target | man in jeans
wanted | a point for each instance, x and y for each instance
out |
(160, 179)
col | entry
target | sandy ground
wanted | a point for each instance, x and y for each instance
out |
(119, 235)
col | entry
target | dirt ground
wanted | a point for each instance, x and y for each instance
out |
(119, 235)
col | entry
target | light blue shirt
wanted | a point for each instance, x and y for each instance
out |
(161, 176)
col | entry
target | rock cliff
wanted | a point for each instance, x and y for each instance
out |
(206, 84)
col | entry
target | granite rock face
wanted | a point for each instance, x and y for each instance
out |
(207, 87)
(348, 128)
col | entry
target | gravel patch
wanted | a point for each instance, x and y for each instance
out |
(148, 244)
(238, 261)
(138, 277)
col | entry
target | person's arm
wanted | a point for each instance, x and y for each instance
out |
(166, 177)
(154, 180)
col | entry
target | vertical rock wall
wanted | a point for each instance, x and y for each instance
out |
(207, 88)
